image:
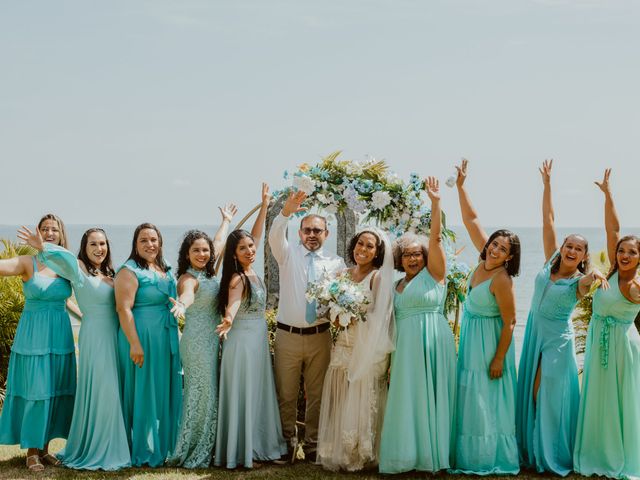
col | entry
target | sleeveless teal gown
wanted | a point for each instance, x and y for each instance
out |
(417, 432)
(249, 426)
(199, 347)
(41, 381)
(152, 395)
(97, 438)
(546, 430)
(485, 408)
(608, 436)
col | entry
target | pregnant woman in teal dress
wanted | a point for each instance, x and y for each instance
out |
(97, 438)
(486, 389)
(417, 432)
(548, 391)
(608, 436)
(41, 382)
(148, 350)
(249, 426)
(199, 346)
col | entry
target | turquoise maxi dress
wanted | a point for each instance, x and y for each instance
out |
(608, 436)
(152, 395)
(546, 429)
(249, 426)
(41, 382)
(97, 438)
(417, 432)
(485, 408)
(199, 347)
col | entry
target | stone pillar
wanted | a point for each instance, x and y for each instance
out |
(271, 272)
(346, 229)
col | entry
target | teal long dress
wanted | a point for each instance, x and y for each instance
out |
(546, 429)
(41, 382)
(199, 347)
(608, 436)
(97, 438)
(485, 408)
(417, 432)
(152, 395)
(249, 426)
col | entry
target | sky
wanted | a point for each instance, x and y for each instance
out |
(127, 111)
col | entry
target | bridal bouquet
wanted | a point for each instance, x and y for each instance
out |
(340, 297)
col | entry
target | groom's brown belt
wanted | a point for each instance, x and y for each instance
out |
(323, 327)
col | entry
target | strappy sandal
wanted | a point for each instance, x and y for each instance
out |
(34, 464)
(50, 459)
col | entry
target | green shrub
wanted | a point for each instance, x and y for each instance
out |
(11, 305)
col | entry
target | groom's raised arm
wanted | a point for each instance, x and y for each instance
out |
(278, 232)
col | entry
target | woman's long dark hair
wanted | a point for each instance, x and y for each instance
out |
(584, 266)
(183, 256)
(626, 238)
(230, 266)
(141, 262)
(513, 265)
(106, 268)
(63, 231)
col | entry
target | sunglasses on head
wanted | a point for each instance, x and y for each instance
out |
(309, 231)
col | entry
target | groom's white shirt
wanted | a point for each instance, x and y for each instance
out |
(293, 261)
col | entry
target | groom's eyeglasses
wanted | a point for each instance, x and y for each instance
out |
(315, 231)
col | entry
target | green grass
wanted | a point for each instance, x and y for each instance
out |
(12, 466)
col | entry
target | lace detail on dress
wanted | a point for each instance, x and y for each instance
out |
(199, 353)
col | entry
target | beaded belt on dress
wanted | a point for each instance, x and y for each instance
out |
(607, 322)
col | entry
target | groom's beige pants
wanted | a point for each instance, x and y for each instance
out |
(296, 354)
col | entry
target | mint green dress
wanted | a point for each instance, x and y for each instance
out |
(546, 429)
(608, 436)
(249, 426)
(41, 381)
(152, 395)
(199, 347)
(97, 438)
(417, 432)
(485, 408)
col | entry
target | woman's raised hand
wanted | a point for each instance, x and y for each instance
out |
(604, 185)
(228, 211)
(266, 197)
(545, 171)
(432, 187)
(33, 239)
(462, 172)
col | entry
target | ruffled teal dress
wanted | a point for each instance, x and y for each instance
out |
(97, 438)
(41, 382)
(608, 436)
(199, 348)
(249, 426)
(546, 430)
(152, 395)
(485, 408)
(417, 432)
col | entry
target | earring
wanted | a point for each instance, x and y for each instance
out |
(582, 264)
(506, 264)
(235, 261)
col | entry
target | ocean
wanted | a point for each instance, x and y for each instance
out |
(120, 237)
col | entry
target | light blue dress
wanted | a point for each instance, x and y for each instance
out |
(41, 382)
(249, 426)
(152, 395)
(546, 430)
(97, 438)
(417, 432)
(608, 435)
(485, 408)
(199, 347)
